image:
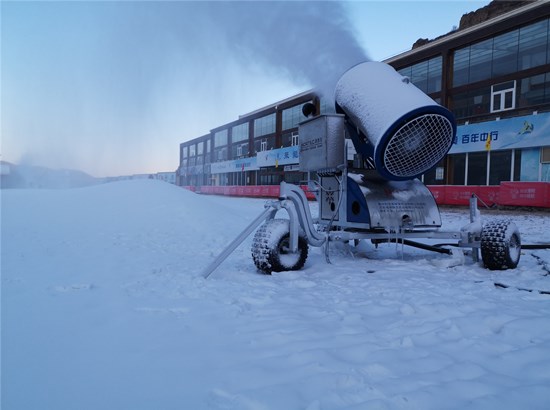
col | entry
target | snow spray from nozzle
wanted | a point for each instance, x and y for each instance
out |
(393, 122)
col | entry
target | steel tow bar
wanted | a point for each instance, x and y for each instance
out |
(238, 240)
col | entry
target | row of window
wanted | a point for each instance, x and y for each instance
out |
(476, 168)
(492, 167)
(516, 50)
(425, 75)
(521, 93)
(263, 126)
(238, 150)
(238, 133)
(263, 177)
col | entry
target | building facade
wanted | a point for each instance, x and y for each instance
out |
(494, 76)
(260, 148)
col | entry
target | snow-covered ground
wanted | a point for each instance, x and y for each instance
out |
(104, 307)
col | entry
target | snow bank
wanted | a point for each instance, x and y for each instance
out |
(104, 307)
(29, 176)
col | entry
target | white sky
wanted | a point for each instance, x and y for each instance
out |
(113, 88)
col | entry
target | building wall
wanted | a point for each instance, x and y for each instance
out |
(491, 75)
(238, 149)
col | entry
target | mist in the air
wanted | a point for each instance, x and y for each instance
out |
(113, 88)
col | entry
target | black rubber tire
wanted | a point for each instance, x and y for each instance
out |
(270, 248)
(500, 245)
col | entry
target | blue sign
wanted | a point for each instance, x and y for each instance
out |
(281, 156)
(510, 133)
(237, 165)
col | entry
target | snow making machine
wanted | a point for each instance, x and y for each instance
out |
(364, 164)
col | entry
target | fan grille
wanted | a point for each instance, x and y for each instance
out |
(418, 145)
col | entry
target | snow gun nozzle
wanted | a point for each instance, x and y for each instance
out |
(390, 120)
(309, 110)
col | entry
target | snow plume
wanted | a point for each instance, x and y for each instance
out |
(310, 41)
(113, 88)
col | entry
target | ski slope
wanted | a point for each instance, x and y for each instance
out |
(104, 307)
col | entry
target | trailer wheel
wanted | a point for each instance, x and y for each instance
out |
(270, 248)
(500, 245)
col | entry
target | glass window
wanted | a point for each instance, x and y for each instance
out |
(239, 132)
(220, 138)
(461, 67)
(435, 72)
(457, 169)
(208, 146)
(419, 75)
(517, 164)
(503, 96)
(264, 144)
(240, 150)
(268, 177)
(505, 51)
(220, 154)
(459, 105)
(184, 152)
(501, 164)
(480, 102)
(264, 125)
(425, 75)
(532, 90)
(293, 116)
(200, 148)
(480, 60)
(436, 176)
(475, 102)
(532, 45)
(192, 150)
(477, 168)
(405, 72)
(294, 177)
(290, 139)
(287, 139)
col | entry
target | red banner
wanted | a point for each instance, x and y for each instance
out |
(525, 194)
(533, 194)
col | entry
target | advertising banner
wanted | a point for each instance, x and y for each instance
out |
(510, 133)
(237, 165)
(277, 157)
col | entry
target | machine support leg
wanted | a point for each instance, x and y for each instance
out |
(474, 216)
(294, 227)
(238, 240)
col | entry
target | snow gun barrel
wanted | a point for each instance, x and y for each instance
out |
(390, 120)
